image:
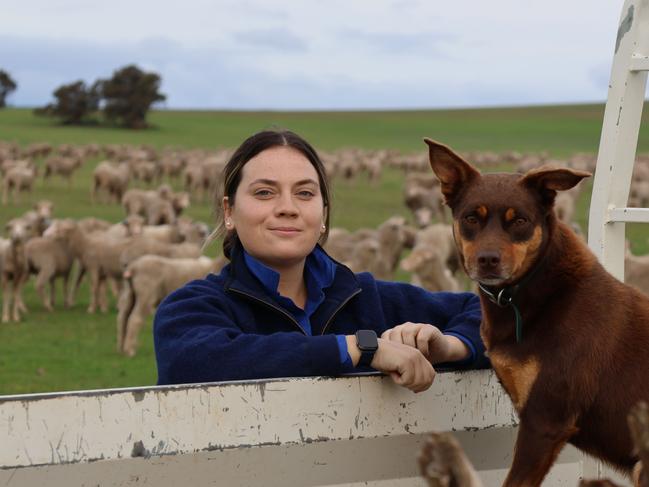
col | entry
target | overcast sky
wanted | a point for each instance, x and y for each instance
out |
(326, 54)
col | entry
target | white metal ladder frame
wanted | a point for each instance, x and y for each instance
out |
(617, 150)
(619, 140)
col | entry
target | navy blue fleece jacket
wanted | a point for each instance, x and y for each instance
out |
(227, 327)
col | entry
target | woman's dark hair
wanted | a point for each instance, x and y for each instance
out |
(231, 177)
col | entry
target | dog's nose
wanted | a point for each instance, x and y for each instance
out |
(488, 260)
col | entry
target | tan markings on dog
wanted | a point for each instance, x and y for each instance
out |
(510, 214)
(482, 211)
(525, 253)
(467, 250)
(517, 377)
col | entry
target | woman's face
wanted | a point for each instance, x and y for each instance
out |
(278, 210)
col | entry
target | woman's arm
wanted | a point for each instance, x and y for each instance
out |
(197, 339)
(455, 315)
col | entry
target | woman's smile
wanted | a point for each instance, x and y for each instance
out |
(289, 231)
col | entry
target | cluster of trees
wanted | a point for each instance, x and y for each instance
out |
(7, 85)
(123, 99)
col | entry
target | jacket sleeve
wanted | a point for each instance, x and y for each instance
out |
(197, 339)
(455, 314)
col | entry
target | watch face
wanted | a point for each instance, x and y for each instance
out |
(367, 340)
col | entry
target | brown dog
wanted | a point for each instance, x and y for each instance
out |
(568, 341)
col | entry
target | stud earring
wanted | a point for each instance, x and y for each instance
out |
(228, 223)
(324, 227)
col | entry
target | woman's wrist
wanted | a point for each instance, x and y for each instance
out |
(457, 349)
(352, 349)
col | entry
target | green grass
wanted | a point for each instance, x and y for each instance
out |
(71, 350)
(68, 350)
(561, 130)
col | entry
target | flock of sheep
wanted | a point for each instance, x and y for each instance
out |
(108, 253)
(156, 249)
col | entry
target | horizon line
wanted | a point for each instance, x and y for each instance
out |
(352, 109)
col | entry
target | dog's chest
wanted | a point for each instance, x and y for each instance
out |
(517, 376)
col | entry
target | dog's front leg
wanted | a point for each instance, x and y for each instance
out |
(537, 445)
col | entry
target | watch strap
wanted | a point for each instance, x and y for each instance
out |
(366, 358)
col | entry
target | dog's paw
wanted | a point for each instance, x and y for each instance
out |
(638, 420)
(443, 464)
(433, 461)
(639, 425)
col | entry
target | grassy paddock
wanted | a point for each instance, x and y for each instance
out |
(71, 350)
(560, 130)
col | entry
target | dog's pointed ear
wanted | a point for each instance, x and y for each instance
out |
(452, 171)
(549, 179)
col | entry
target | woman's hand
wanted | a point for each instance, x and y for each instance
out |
(429, 340)
(405, 365)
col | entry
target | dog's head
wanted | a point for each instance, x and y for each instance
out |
(501, 221)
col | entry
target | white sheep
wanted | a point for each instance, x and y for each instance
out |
(37, 149)
(158, 207)
(171, 165)
(111, 180)
(147, 171)
(147, 281)
(92, 224)
(17, 179)
(183, 230)
(50, 258)
(40, 216)
(366, 257)
(98, 255)
(423, 196)
(341, 242)
(636, 271)
(63, 166)
(145, 246)
(194, 181)
(129, 227)
(14, 268)
(213, 170)
(376, 251)
(433, 259)
(9, 163)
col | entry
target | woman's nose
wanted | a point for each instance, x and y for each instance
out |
(286, 205)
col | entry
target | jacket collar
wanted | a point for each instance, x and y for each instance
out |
(319, 271)
(239, 278)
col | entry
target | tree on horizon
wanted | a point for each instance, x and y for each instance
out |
(75, 103)
(129, 95)
(123, 99)
(7, 85)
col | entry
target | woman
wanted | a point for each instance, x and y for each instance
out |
(284, 308)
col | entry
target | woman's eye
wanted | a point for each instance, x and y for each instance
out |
(263, 192)
(306, 193)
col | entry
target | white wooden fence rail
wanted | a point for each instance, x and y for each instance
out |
(293, 432)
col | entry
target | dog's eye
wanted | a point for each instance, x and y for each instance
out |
(520, 221)
(471, 219)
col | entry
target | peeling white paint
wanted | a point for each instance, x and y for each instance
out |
(156, 421)
(311, 431)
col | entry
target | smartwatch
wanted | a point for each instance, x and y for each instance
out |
(368, 343)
